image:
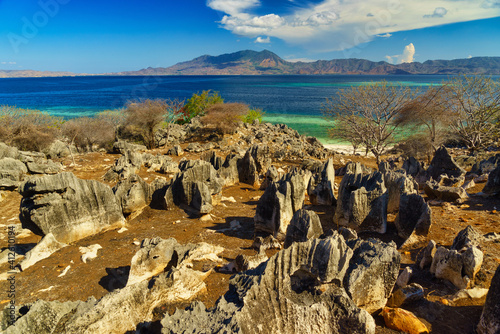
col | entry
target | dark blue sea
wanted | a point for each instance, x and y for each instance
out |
(295, 100)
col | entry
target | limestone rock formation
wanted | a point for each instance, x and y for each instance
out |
(45, 248)
(322, 185)
(46, 167)
(304, 225)
(297, 290)
(448, 194)
(413, 167)
(133, 194)
(490, 318)
(487, 165)
(125, 166)
(443, 163)
(362, 201)
(414, 218)
(122, 146)
(397, 184)
(492, 186)
(12, 171)
(68, 207)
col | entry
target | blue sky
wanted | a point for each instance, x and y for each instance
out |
(90, 36)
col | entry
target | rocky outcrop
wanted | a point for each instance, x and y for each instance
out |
(305, 225)
(321, 186)
(125, 166)
(256, 161)
(45, 167)
(229, 170)
(414, 218)
(194, 186)
(443, 163)
(133, 194)
(58, 149)
(362, 201)
(278, 203)
(12, 172)
(448, 194)
(490, 318)
(8, 151)
(297, 290)
(45, 248)
(413, 167)
(492, 186)
(122, 146)
(68, 207)
(486, 166)
(397, 184)
(372, 273)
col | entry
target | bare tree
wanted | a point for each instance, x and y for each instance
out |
(145, 117)
(428, 115)
(367, 114)
(475, 104)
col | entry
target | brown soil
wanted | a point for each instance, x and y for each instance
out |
(110, 270)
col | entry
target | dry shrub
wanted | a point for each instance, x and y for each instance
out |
(28, 130)
(223, 118)
(419, 146)
(89, 133)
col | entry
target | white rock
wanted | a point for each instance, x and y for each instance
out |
(404, 277)
(123, 229)
(90, 252)
(228, 199)
(46, 247)
(64, 272)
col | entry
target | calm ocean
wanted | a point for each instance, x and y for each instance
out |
(292, 99)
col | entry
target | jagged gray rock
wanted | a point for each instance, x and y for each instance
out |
(448, 264)
(297, 290)
(12, 169)
(396, 185)
(133, 194)
(448, 194)
(229, 170)
(175, 150)
(8, 151)
(486, 166)
(272, 175)
(414, 218)
(443, 163)
(321, 186)
(58, 149)
(182, 190)
(490, 317)
(46, 167)
(278, 204)
(372, 273)
(362, 201)
(413, 167)
(492, 186)
(466, 238)
(125, 166)
(305, 225)
(122, 146)
(68, 207)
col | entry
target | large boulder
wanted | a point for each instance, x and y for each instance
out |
(487, 165)
(492, 186)
(45, 167)
(186, 188)
(133, 194)
(362, 201)
(372, 273)
(490, 318)
(122, 146)
(125, 166)
(397, 184)
(12, 172)
(299, 289)
(321, 186)
(414, 218)
(7, 151)
(448, 194)
(278, 204)
(256, 161)
(443, 163)
(229, 170)
(413, 167)
(45, 248)
(58, 149)
(305, 225)
(68, 207)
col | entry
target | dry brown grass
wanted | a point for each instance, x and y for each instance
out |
(223, 118)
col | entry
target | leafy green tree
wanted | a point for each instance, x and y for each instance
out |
(198, 104)
(252, 115)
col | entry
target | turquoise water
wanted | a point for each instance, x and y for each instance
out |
(295, 100)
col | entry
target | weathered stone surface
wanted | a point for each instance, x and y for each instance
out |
(229, 170)
(362, 201)
(466, 238)
(448, 194)
(413, 167)
(406, 294)
(269, 242)
(490, 318)
(296, 290)
(68, 207)
(182, 189)
(321, 186)
(12, 169)
(492, 186)
(133, 194)
(397, 184)
(272, 175)
(403, 320)
(304, 225)
(213, 159)
(347, 233)
(278, 203)
(404, 277)
(8, 151)
(122, 146)
(89, 253)
(202, 198)
(46, 167)
(158, 255)
(486, 166)
(450, 181)
(448, 264)
(125, 166)
(247, 171)
(426, 255)
(45, 248)
(372, 273)
(443, 163)
(472, 259)
(58, 149)
(414, 218)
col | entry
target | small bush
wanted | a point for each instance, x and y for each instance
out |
(418, 146)
(252, 115)
(88, 133)
(223, 118)
(198, 104)
(28, 130)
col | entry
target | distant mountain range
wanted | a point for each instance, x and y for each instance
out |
(266, 62)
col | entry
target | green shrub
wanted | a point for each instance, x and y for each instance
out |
(252, 115)
(198, 104)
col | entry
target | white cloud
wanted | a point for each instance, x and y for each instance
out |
(406, 57)
(263, 40)
(8, 63)
(438, 12)
(469, 56)
(333, 25)
(386, 35)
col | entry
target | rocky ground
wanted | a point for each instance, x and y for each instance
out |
(63, 276)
